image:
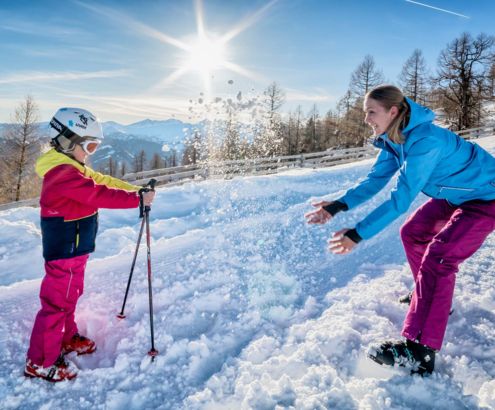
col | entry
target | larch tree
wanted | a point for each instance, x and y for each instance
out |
(463, 78)
(365, 77)
(139, 161)
(413, 78)
(22, 145)
(270, 141)
(351, 124)
(156, 162)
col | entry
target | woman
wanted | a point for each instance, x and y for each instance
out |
(459, 177)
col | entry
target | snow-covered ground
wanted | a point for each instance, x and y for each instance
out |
(251, 311)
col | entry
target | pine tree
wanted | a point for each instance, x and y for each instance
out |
(330, 130)
(269, 141)
(491, 82)
(22, 145)
(139, 161)
(345, 104)
(112, 167)
(413, 78)
(156, 162)
(462, 78)
(365, 77)
(351, 123)
(312, 133)
(230, 147)
(274, 98)
(172, 161)
(351, 127)
(123, 168)
(193, 149)
(298, 121)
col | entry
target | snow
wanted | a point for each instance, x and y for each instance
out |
(251, 310)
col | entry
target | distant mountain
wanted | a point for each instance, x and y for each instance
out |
(169, 131)
(111, 127)
(124, 149)
(124, 142)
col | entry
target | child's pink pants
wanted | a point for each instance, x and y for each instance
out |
(60, 289)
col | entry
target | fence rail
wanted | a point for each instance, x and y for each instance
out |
(25, 202)
(257, 166)
(473, 133)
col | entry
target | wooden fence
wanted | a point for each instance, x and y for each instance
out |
(258, 166)
(473, 133)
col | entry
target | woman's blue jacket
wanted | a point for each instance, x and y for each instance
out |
(432, 160)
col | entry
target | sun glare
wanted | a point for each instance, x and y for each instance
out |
(206, 56)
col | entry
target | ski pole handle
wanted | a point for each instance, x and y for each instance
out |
(151, 183)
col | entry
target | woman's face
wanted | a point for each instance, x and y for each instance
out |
(377, 116)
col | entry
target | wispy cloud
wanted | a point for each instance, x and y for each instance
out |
(143, 106)
(248, 21)
(129, 22)
(438, 9)
(39, 29)
(57, 76)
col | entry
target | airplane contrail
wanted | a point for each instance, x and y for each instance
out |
(437, 8)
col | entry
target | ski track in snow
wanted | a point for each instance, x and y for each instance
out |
(251, 311)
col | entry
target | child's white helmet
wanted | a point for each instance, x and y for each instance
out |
(71, 126)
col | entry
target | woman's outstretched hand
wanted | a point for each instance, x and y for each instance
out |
(341, 244)
(318, 216)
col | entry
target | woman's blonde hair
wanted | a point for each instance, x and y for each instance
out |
(389, 96)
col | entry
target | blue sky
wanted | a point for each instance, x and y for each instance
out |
(128, 60)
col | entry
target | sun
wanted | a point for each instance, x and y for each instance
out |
(206, 56)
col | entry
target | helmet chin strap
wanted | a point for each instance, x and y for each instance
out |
(63, 144)
(66, 140)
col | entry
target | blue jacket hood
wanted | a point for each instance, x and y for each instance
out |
(419, 115)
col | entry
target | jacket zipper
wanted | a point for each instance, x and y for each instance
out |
(456, 189)
(77, 235)
(392, 148)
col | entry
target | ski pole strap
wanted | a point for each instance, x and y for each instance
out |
(142, 208)
(151, 183)
(141, 204)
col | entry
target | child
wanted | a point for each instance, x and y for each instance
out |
(459, 177)
(70, 197)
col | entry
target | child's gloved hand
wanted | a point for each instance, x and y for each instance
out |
(148, 197)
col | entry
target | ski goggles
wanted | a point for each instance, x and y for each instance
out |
(89, 146)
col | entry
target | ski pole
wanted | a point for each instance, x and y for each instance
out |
(153, 352)
(152, 183)
(121, 314)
